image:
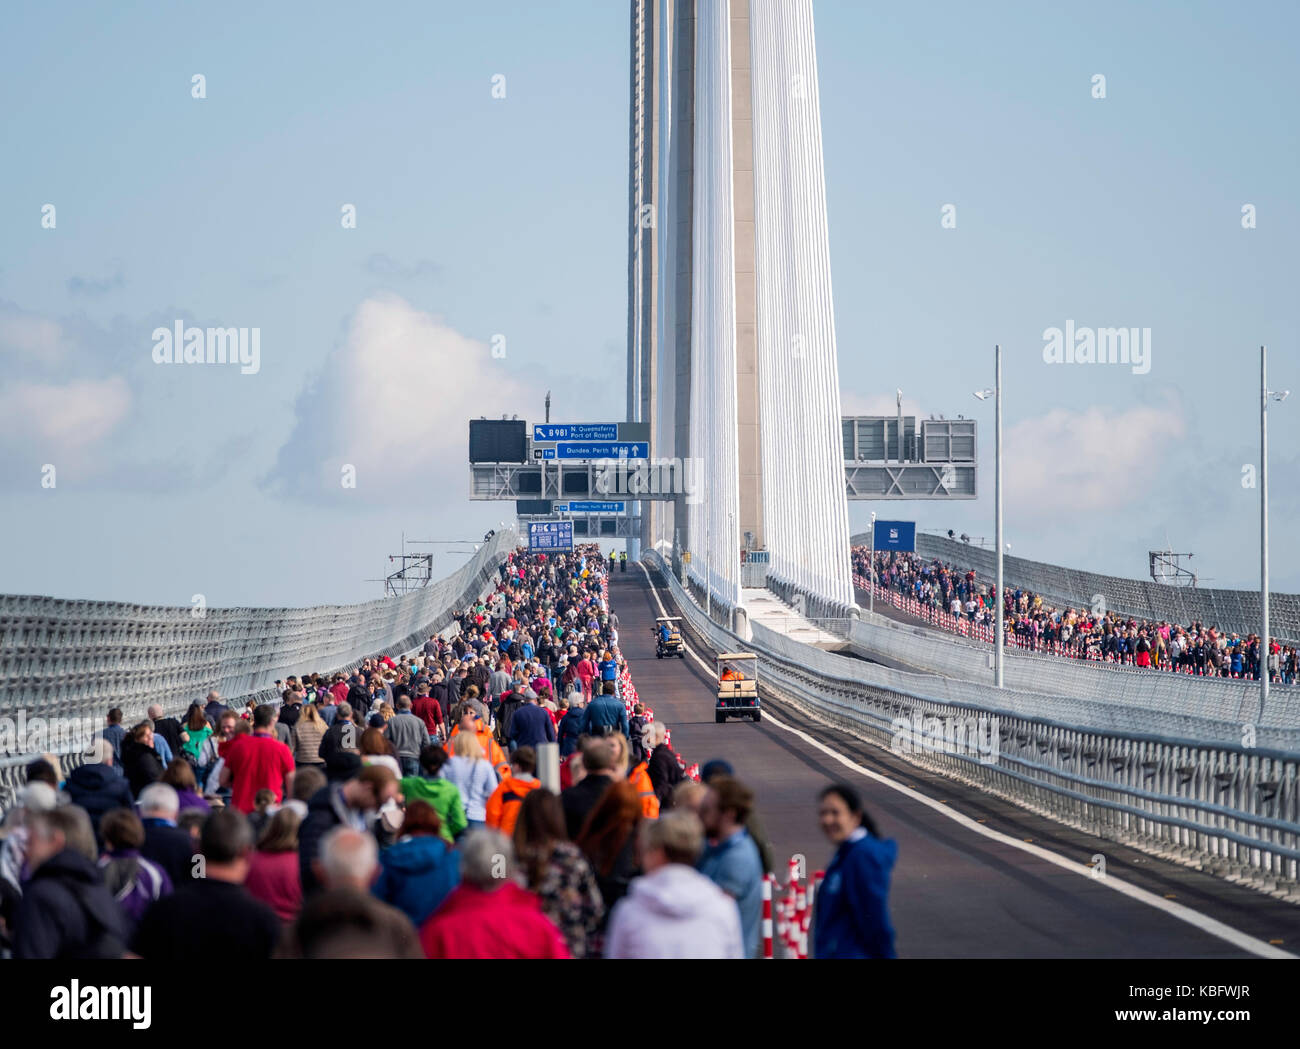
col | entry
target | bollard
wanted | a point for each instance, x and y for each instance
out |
(768, 879)
(801, 922)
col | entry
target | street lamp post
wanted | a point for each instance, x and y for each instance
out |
(871, 569)
(1264, 395)
(996, 394)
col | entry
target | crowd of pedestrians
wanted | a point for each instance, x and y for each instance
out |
(956, 599)
(399, 811)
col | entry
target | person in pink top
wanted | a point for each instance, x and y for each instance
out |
(586, 673)
(273, 867)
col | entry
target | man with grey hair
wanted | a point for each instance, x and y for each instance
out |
(213, 918)
(408, 735)
(66, 911)
(96, 785)
(165, 843)
(488, 915)
(214, 708)
(344, 920)
(349, 859)
(166, 729)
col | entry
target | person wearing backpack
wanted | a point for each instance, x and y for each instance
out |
(636, 735)
(510, 703)
(134, 881)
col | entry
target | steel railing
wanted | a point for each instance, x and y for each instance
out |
(64, 661)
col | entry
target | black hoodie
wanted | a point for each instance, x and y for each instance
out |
(97, 789)
(141, 765)
(66, 912)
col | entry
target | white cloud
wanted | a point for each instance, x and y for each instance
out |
(1093, 461)
(57, 419)
(32, 336)
(394, 400)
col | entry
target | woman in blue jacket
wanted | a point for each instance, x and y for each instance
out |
(851, 916)
(420, 871)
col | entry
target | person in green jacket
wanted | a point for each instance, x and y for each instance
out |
(442, 794)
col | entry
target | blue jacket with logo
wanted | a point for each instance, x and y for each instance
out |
(851, 916)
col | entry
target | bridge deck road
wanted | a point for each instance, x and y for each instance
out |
(956, 893)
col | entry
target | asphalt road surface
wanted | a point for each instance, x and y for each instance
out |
(957, 893)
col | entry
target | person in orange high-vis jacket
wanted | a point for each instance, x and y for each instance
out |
(504, 805)
(470, 722)
(639, 777)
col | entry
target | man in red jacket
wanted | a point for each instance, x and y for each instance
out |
(488, 915)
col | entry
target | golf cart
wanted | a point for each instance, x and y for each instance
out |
(668, 637)
(737, 686)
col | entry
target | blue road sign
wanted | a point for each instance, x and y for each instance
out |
(896, 535)
(559, 508)
(597, 508)
(575, 432)
(602, 450)
(550, 535)
(548, 453)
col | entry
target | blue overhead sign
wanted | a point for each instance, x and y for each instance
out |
(596, 508)
(575, 431)
(550, 535)
(896, 535)
(602, 450)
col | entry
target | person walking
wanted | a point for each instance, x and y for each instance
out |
(471, 772)
(419, 871)
(441, 793)
(305, 738)
(66, 911)
(557, 871)
(273, 866)
(503, 805)
(673, 911)
(488, 915)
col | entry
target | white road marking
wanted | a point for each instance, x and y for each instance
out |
(1206, 924)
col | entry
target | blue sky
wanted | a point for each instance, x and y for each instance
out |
(479, 217)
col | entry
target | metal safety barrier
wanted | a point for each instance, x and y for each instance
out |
(1184, 786)
(65, 661)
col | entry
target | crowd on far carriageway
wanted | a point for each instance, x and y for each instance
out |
(396, 811)
(957, 600)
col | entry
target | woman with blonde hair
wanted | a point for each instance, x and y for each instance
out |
(638, 776)
(305, 737)
(473, 774)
